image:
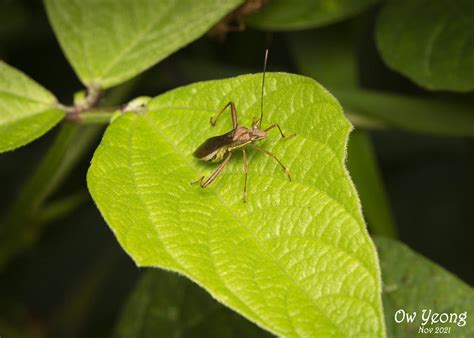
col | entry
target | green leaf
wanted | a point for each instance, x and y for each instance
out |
(362, 164)
(429, 41)
(296, 258)
(303, 14)
(27, 110)
(167, 305)
(413, 283)
(110, 41)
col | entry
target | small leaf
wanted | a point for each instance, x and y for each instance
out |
(429, 41)
(303, 14)
(296, 258)
(27, 110)
(110, 41)
(413, 283)
(164, 304)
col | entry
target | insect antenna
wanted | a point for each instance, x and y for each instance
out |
(263, 88)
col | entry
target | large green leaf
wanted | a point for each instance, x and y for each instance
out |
(27, 110)
(296, 258)
(167, 305)
(110, 41)
(302, 14)
(429, 41)
(413, 283)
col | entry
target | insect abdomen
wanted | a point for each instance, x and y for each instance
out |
(216, 156)
(214, 148)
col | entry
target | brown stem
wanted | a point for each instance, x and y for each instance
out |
(92, 99)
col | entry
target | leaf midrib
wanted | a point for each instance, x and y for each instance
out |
(16, 119)
(329, 197)
(136, 41)
(27, 98)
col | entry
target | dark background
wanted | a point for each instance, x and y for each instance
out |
(75, 279)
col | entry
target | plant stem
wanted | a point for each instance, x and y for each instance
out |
(365, 172)
(21, 227)
(25, 220)
(362, 121)
(70, 318)
(97, 117)
(431, 115)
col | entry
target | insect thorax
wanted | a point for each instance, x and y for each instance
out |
(243, 134)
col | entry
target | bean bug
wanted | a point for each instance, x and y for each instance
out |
(220, 148)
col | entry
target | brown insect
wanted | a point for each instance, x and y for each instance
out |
(220, 148)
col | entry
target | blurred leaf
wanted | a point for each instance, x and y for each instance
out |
(79, 302)
(208, 69)
(364, 170)
(110, 41)
(25, 219)
(61, 207)
(327, 54)
(413, 283)
(417, 114)
(303, 14)
(429, 41)
(167, 305)
(296, 258)
(8, 330)
(27, 110)
(14, 18)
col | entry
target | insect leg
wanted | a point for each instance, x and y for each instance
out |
(266, 152)
(204, 183)
(246, 168)
(233, 113)
(276, 125)
(240, 146)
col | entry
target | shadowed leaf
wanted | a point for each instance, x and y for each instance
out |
(431, 42)
(303, 14)
(413, 283)
(168, 305)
